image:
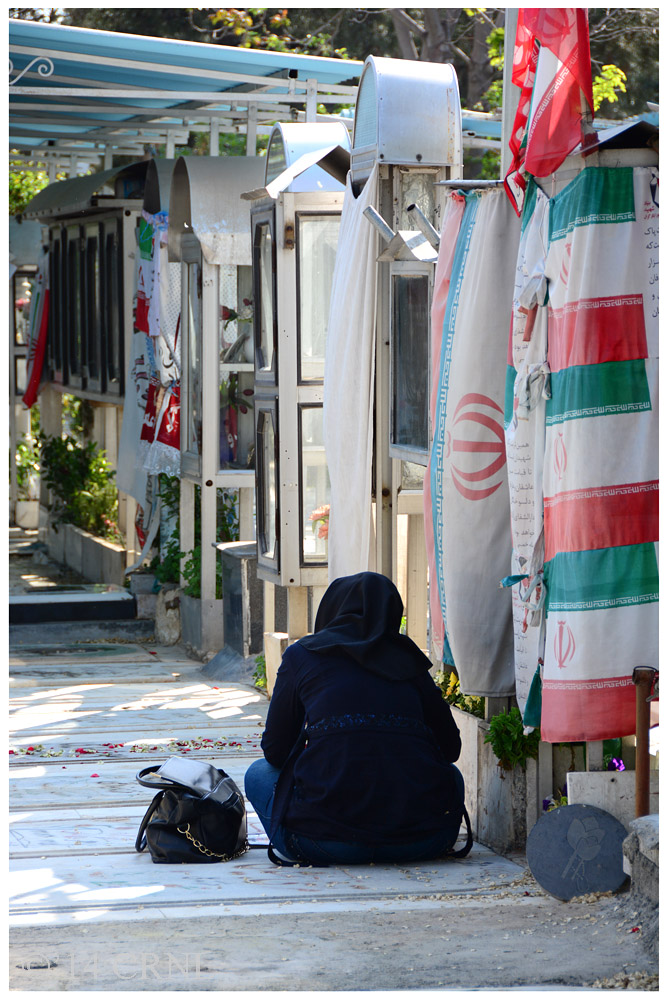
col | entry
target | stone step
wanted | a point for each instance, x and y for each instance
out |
(71, 603)
(67, 637)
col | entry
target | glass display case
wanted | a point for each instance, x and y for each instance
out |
(295, 238)
(209, 233)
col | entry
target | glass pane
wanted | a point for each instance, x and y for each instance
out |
(416, 189)
(112, 305)
(235, 298)
(237, 422)
(55, 343)
(317, 243)
(93, 305)
(410, 361)
(412, 476)
(315, 488)
(22, 297)
(268, 484)
(20, 375)
(74, 305)
(266, 305)
(194, 403)
(275, 156)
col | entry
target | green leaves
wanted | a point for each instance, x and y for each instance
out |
(81, 481)
(606, 84)
(508, 742)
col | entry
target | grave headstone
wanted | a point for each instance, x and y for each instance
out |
(575, 850)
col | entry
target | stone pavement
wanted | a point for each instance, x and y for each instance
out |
(89, 913)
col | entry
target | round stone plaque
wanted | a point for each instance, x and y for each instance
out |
(575, 850)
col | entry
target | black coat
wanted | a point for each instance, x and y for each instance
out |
(372, 766)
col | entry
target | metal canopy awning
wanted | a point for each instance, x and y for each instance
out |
(76, 88)
(76, 193)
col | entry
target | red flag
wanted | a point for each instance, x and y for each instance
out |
(38, 327)
(553, 68)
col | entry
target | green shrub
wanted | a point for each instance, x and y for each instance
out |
(259, 675)
(27, 460)
(508, 742)
(81, 481)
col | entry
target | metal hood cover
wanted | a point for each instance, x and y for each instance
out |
(206, 200)
(75, 193)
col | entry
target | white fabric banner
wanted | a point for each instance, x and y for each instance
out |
(528, 384)
(349, 384)
(469, 476)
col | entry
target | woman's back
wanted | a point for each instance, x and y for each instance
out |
(374, 765)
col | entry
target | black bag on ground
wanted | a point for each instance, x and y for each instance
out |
(197, 817)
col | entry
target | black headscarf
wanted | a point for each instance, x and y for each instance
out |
(361, 616)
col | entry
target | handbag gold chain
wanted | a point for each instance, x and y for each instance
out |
(205, 850)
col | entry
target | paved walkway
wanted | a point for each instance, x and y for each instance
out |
(88, 912)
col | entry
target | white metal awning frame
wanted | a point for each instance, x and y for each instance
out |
(76, 92)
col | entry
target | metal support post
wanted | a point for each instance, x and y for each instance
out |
(511, 93)
(311, 100)
(643, 679)
(251, 131)
(214, 145)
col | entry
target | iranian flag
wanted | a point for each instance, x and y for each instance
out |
(552, 66)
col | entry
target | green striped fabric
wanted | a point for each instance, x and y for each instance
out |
(601, 196)
(599, 579)
(510, 378)
(598, 390)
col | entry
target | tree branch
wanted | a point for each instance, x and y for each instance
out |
(406, 43)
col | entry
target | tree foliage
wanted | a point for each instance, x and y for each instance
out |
(25, 181)
(623, 39)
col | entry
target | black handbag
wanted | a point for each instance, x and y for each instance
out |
(197, 817)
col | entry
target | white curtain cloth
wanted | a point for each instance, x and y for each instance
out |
(349, 384)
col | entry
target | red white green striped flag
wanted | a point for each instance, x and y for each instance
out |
(552, 66)
(601, 452)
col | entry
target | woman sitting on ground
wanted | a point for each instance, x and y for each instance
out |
(359, 743)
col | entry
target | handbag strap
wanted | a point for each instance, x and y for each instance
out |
(281, 862)
(140, 843)
(162, 783)
(465, 850)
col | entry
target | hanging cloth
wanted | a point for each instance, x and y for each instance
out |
(468, 469)
(38, 326)
(349, 383)
(601, 452)
(527, 390)
(450, 231)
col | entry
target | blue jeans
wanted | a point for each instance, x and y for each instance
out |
(260, 785)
